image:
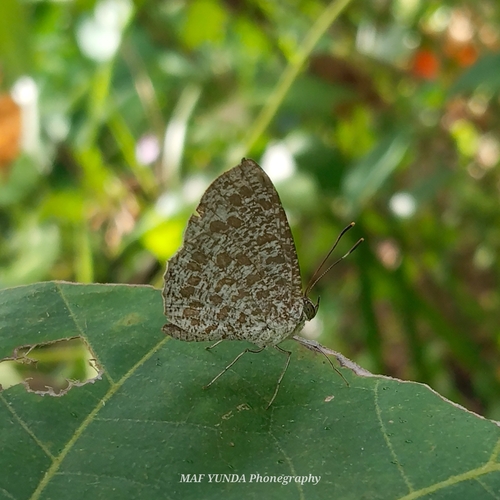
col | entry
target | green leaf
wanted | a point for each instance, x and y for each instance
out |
(484, 73)
(206, 22)
(30, 252)
(21, 182)
(370, 172)
(147, 422)
(15, 40)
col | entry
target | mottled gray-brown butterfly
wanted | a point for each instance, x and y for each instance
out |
(237, 275)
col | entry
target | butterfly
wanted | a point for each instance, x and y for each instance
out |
(237, 275)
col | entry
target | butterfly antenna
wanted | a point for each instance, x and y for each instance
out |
(315, 278)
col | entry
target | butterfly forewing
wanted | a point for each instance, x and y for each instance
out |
(237, 274)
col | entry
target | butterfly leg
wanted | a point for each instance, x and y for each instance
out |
(333, 366)
(316, 347)
(232, 363)
(213, 345)
(282, 374)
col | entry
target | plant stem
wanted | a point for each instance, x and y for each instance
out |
(324, 21)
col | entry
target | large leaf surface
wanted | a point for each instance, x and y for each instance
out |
(147, 422)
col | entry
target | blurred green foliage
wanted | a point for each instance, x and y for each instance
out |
(388, 110)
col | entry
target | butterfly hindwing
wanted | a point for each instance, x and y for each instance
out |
(237, 274)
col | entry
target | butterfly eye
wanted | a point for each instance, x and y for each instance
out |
(310, 309)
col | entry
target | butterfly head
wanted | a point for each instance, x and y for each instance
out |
(310, 309)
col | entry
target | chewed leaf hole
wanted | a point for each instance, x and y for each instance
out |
(51, 368)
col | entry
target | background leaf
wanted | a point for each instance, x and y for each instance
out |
(482, 74)
(367, 176)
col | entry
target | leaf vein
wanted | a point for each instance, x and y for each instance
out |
(54, 468)
(25, 426)
(81, 331)
(290, 464)
(388, 441)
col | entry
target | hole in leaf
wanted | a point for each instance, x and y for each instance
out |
(51, 368)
